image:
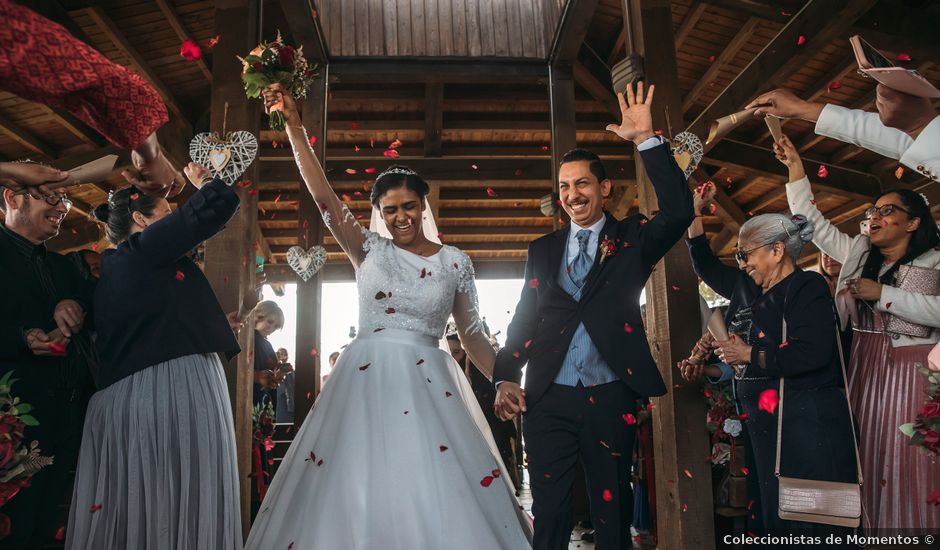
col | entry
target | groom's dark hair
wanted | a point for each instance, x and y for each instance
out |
(597, 167)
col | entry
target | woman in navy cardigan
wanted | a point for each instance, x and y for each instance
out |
(157, 467)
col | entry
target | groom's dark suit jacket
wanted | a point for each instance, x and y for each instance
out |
(546, 317)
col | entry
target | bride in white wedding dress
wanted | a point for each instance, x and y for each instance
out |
(395, 453)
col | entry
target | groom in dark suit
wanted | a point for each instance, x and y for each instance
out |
(578, 327)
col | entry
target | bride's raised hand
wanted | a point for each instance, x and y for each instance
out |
(637, 123)
(277, 98)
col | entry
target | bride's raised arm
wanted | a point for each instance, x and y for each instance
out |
(350, 235)
(466, 314)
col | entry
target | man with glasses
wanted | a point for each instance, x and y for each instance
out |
(41, 339)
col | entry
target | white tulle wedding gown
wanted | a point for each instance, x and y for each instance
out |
(395, 454)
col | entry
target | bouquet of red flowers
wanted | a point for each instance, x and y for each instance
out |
(924, 431)
(18, 462)
(263, 425)
(277, 63)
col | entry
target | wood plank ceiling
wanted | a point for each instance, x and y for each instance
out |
(467, 98)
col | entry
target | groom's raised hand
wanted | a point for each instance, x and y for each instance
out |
(637, 123)
(510, 400)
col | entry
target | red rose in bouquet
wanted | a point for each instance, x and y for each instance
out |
(10, 424)
(277, 63)
(9, 489)
(924, 431)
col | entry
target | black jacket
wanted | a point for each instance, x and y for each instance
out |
(547, 316)
(29, 303)
(153, 303)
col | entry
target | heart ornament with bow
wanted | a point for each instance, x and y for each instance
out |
(306, 263)
(226, 158)
(687, 150)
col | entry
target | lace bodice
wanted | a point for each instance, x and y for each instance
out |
(398, 289)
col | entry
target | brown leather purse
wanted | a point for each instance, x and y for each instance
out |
(814, 501)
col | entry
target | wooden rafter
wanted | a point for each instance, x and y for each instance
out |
(722, 61)
(173, 19)
(819, 21)
(569, 36)
(433, 119)
(753, 8)
(137, 62)
(696, 10)
(26, 138)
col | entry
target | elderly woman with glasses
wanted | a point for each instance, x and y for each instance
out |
(794, 343)
(888, 289)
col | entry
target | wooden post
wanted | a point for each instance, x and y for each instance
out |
(308, 352)
(230, 264)
(684, 513)
(433, 118)
(564, 139)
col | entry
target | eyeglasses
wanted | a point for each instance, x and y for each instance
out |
(885, 210)
(742, 255)
(53, 199)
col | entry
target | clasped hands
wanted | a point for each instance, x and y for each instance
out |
(69, 317)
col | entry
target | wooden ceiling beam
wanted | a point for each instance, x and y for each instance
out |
(137, 62)
(174, 21)
(696, 10)
(754, 8)
(761, 161)
(369, 71)
(26, 138)
(433, 119)
(819, 21)
(571, 31)
(592, 73)
(724, 58)
(616, 52)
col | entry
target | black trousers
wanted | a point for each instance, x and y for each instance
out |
(569, 423)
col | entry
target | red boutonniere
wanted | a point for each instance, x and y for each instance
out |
(607, 248)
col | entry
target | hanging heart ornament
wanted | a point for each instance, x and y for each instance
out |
(306, 263)
(226, 157)
(687, 150)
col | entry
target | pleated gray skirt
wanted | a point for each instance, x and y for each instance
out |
(157, 467)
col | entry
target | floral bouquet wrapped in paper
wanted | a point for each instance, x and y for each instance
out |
(277, 63)
(924, 431)
(18, 462)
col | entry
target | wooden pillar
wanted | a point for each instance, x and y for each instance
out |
(563, 110)
(311, 228)
(230, 264)
(684, 511)
(433, 119)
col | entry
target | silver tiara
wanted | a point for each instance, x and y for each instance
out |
(397, 170)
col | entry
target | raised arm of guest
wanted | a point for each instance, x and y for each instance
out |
(171, 234)
(722, 278)
(350, 235)
(827, 236)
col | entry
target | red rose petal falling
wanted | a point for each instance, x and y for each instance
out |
(743, 416)
(888, 305)
(253, 192)
(389, 310)
(903, 57)
(899, 172)
(395, 144)
(447, 394)
(744, 470)
(420, 362)
(934, 498)
(823, 171)
(627, 328)
(486, 481)
(607, 495)
(354, 125)
(768, 400)
(495, 472)
(350, 171)
(801, 40)
(380, 296)
(517, 173)
(834, 85)
(60, 534)
(370, 170)
(57, 349)
(604, 444)
(392, 154)
(533, 283)
(591, 399)
(474, 166)
(443, 448)
(491, 192)
(95, 508)
(313, 139)
(687, 473)
(364, 367)
(711, 59)
(629, 419)
(213, 41)
(179, 275)
(675, 287)
(685, 507)
(516, 354)
(190, 50)
(527, 344)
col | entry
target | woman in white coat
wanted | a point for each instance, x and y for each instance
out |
(888, 289)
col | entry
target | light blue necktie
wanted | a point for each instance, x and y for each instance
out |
(581, 265)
